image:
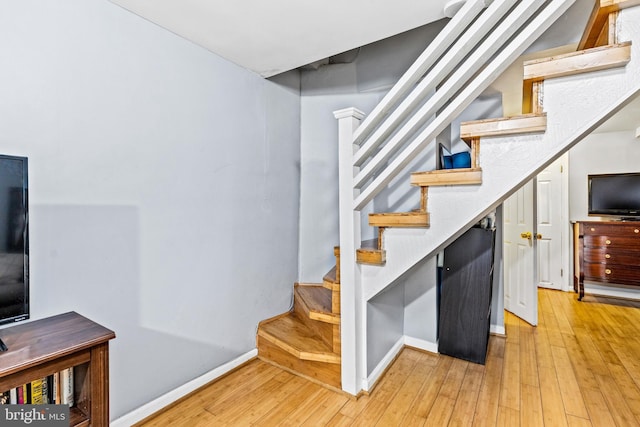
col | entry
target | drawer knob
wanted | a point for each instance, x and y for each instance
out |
(607, 256)
(608, 271)
(593, 229)
(608, 242)
(636, 231)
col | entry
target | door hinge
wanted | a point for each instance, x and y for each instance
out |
(561, 168)
(562, 272)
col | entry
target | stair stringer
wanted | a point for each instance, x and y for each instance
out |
(575, 106)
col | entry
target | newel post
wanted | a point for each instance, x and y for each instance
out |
(352, 309)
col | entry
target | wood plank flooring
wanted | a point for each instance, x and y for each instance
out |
(579, 367)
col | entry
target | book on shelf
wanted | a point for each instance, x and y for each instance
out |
(66, 386)
(36, 392)
(45, 390)
(57, 388)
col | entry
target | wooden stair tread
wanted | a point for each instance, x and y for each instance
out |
(330, 281)
(369, 244)
(317, 302)
(291, 335)
(399, 219)
(464, 176)
(525, 123)
(583, 61)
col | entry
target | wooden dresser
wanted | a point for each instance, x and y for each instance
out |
(606, 252)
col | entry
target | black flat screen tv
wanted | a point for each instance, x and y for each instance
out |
(14, 239)
(614, 195)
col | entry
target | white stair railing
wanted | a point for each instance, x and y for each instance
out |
(449, 97)
(444, 81)
(458, 25)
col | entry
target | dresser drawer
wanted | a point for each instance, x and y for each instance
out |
(623, 229)
(602, 272)
(611, 241)
(612, 255)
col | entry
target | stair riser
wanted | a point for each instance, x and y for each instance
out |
(503, 126)
(324, 330)
(399, 220)
(447, 177)
(326, 373)
(371, 257)
(337, 342)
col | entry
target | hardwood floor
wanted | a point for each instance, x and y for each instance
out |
(579, 367)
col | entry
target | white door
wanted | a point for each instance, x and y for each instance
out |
(520, 283)
(550, 219)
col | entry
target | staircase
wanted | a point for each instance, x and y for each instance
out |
(327, 341)
(306, 340)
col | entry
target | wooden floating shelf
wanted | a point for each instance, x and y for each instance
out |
(583, 61)
(467, 176)
(399, 219)
(515, 125)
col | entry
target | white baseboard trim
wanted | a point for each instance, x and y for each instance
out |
(155, 405)
(384, 363)
(393, 353)
(420, 344)
(497, 330)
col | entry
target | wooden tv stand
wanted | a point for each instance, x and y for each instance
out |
(606, 252)
(43, 347)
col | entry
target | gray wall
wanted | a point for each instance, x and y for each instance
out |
(385, 324)
(420, 301)
(164, 185)
(609, 152)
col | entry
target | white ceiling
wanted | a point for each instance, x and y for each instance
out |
(279, 35)
(270, 37)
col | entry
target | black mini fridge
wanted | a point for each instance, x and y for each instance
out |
(465, 295)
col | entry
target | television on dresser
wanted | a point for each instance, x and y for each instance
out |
(14, 239)
(614, 194)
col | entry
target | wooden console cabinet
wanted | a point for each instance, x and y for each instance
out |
(43, 347)
(606, 252)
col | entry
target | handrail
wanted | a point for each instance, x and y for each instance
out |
(448, 88)
(451, 59)
(471, 90)
(431, 54)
